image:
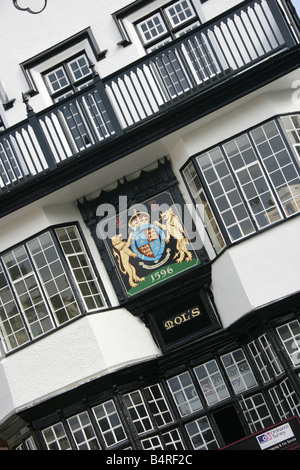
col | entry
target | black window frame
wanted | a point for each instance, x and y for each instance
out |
(139, 380)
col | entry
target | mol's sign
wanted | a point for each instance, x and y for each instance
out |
(282, 436)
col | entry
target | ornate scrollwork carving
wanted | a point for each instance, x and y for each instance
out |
(31, 6)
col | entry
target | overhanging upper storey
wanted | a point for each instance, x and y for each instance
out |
(191, 76)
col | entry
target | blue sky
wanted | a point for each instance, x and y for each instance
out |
(297, 5)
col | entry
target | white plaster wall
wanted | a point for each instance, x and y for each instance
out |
(6, 399)
(214, 8)
(82, 351)
(59, 21)
(257, 272)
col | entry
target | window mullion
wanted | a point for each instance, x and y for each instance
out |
(41, 288)
(131, 432)
(285, 139)
(213, 205)
(33, 273)
(240, 189)
(268, 179)
(18, 304)
(150, 414)
(68, 272)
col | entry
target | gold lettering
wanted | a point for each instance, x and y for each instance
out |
(169, 324)
(184, 317)
(195, 312)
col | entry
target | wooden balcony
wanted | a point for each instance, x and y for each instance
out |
(205, 59)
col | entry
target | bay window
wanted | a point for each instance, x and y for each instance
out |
(44, 283)
(246, 184)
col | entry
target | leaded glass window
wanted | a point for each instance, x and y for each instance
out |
(184, 394)
(109, 423)
(45, 283)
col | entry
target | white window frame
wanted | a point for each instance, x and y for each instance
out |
(238, 371)
(101, 411)
(210, 382)
(202, 426)
(73, 83)
(250, 407)
(57, 438)
(159, 406)
(184, 394)
(78, 430)
(180, 3)
(64, 288)
(291, 342)
(134, 402)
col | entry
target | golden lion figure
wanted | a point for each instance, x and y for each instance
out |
(174, 229)
(123, 258)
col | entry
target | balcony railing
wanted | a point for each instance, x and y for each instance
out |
(213, 53)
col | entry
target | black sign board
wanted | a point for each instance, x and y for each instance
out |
(281, 436)
(182, 318)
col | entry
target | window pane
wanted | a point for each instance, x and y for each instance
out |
(79, 68)
(201, 435)
(55, 438)
(194, 184)
(238, 371)
(252, 181)
(271, 355)
(211, 382)
(138, 411)
(261, 363)
(292, 127)
(172, 440)
(280, 166)
(152, 443)
(31, 299)
(57, 79)
(152, 28)
(257, 413)
(53, 276)
(180, 12)
(83, 432)
(224, 191)
(290, 337)
(184, 394)
(158, 405)
(12, 327)
(81, 267)
(109, 423)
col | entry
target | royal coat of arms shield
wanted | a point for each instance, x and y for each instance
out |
(150, 245)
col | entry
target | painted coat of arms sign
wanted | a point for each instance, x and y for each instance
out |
(150, 245)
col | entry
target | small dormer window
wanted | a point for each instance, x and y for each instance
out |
(68, 77)
(167, 23)
(179, 13)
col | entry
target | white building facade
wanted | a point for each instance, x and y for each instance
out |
(150, 200)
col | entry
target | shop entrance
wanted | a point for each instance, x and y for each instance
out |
(229, 425)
